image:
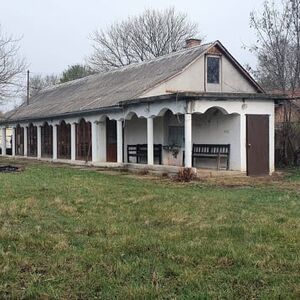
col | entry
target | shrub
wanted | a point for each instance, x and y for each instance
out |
(186, 175)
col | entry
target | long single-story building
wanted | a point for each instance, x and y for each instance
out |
(197, 107)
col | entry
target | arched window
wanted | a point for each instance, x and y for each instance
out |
(64, 140)
(83, 141)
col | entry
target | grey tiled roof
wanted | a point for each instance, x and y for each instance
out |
(106, 89)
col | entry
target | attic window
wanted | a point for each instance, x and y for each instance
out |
(213, 69)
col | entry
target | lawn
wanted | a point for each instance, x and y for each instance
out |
(68, 233)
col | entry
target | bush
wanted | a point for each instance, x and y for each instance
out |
(186, 175)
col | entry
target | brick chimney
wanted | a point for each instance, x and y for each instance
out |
(189, 43)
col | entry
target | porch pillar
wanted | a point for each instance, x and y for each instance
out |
(119, 141)
(188, 140)
(25, 140)
(73, 141)
(3, 134)
(102, 141)
(150, 153)
(3, 142)
(54, 142)
(95, 142)
(243, 143)
(13, 140)
(272, 142)
(39, 141)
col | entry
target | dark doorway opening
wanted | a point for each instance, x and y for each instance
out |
(257, 145)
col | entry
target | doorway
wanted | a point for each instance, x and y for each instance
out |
(257, 128)
(111, 140)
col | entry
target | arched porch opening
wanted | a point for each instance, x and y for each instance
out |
(173, 138)
(216, 139)
(19, 140)
(135, 139)
(83, 140)
(47, 140)
(32, 140)
(64, 140)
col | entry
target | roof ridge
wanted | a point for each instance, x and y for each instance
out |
(160, 57)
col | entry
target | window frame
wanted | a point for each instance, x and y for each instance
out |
(220, 68)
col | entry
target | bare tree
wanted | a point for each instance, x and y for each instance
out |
(39, 82)
(11, 65)
(278, 52)
(149, 35)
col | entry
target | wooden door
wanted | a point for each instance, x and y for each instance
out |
(111, 140)
(257, 145)
(19, 140)
(64, 141)
(32, 140)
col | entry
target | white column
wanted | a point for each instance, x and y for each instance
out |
(188, 140)
(3, 133)
(243, 146)
(39, 141)
(25, 141)
(150, 153)
(272, 142)
(13, 144)
(95, 141)
(119, 141)
(102, 141)
(54, 142)
(73, 141)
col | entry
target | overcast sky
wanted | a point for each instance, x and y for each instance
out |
(55, 33)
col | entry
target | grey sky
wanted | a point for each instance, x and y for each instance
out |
(55, 32)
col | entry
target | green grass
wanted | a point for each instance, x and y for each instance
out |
(67, 233)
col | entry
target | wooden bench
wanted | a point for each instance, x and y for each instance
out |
(139, 152)
(8, 151)
(211, 151)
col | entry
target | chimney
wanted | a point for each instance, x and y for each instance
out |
(189, 43)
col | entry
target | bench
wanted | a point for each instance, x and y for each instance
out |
(8, 151)
(211, 151)
(139, 152)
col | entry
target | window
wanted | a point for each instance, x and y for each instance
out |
(213, 70)
(176, 136)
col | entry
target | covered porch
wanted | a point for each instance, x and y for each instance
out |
(200, 134)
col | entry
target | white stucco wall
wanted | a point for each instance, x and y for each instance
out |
(216, 128)
(194, 76)
(232, 80)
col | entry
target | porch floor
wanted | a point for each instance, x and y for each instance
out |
(152, 169)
